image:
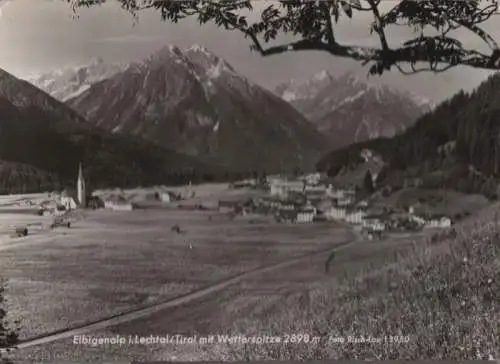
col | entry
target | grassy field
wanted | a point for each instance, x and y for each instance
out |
(421, 299)
(432, 301)
(112, 261)
(256, 299)
(446, 202)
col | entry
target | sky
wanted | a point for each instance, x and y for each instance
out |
(37, 36)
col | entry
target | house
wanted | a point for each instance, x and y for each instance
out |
(373, 224)
(355, 217)
(118, 203)
(345, 201)
(442, 222)
(335, 193)
(419, 220)
(363, 204)
(287, 205)
(95, 202)
(305, 215)
(277, 190)
(318, 189)
(165, 197)
(335, 213)
(68, 202)
(123, 207)
(313, 179)
(374, 234)
(280, 187)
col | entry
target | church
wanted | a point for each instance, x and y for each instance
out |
(73, 198)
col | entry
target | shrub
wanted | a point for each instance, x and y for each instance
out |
(8, 336)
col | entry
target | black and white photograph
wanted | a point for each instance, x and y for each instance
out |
(249, 180)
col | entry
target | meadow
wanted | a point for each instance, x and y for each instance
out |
(110, 261)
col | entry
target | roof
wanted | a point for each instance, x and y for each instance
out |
(290, 214)
(116, 198)
(228, 203)
(377, 216)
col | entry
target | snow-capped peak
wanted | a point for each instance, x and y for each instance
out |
(96, 61)
(69, 82)
(322, 75)
(198, 48)
(348, 109)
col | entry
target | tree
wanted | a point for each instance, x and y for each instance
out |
(8, 336)
(434, 42)
(368, 182)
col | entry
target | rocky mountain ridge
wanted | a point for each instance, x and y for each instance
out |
(194, 102)
(348, 110)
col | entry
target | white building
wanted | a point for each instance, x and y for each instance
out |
(68, 202)
(338, 194)
(316, 188)
(277, 190)
(313, 179)
(165, 197)
(283, 186)
(355, 217)
(118, 206)
(443, 222)
(345, 201)
(122, 207)
(305, 216)
(374, 225)
(363, 204)
(419, 220)
(335, 213)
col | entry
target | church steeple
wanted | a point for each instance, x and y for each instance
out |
(80, 187)
(80, 172)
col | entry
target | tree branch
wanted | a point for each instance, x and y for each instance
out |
(313, 25)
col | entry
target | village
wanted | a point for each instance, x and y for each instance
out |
(289, 200)
(125, 248)
(307, 199)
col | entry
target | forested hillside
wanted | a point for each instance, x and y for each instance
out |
(456, 145)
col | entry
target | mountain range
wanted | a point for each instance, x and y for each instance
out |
(196, 108)
(345, 109)
(348, 110)
(195, 103)
(456, 145)
(69, 82)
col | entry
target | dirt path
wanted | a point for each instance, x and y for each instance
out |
(145, 311)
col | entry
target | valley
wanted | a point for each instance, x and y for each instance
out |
(210, 205)
(110, 262)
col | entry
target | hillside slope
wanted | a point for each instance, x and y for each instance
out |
(39, 131)
(456, 145)
(196, 103)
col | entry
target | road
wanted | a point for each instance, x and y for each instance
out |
(141, 312)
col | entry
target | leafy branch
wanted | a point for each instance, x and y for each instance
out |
(312, 23)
